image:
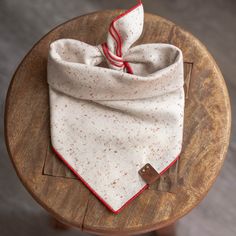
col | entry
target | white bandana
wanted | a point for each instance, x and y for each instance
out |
(107, 123)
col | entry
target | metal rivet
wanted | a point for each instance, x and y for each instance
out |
(143, 170)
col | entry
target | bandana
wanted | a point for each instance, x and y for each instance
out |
(116, 126)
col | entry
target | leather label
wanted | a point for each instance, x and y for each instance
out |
(149, 174)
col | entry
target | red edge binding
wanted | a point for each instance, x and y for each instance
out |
(96, 194)
(119, 39)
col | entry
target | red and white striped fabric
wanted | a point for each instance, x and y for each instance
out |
(107, 123)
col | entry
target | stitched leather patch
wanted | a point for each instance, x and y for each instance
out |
(149, 174)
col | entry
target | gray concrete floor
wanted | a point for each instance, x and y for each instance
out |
(24, 22)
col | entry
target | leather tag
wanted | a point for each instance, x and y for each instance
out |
(149, 174)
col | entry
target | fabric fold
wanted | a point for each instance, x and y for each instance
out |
(155, 67)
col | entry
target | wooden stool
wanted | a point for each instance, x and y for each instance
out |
(206, 135)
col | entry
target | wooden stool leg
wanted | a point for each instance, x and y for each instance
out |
(167, 231)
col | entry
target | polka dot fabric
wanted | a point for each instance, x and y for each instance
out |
(108, 122)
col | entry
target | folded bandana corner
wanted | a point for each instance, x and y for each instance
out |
(108, 123)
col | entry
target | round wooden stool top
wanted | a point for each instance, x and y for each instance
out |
(206, 134)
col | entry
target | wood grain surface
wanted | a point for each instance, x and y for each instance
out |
(206, 134)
